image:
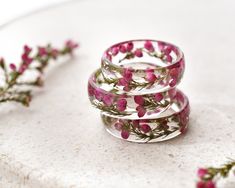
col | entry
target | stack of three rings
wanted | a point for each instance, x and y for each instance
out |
(135, 89)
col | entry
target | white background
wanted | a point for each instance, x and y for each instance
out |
(12, 9)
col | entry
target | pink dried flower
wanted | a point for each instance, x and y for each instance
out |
(201, 184)
(150, 77)
(210, 184)
(127, 74)
(123, 82)
(167, 50)
(139, 100)
(118, 126)
(161, 45)
(42, 51)
(138, 53)
(98, 94)
(22, 68)
(168, 58)
(107, 99)
(158, 97)
(145, 128)
(141, 111)
(125, 134)
(12, 67)
(71, 45)
(202, 172)
(149, 46)
(27, 49)
(54, 53)
(90, 90)
(122, 48)
(121, 104)
(114, 50)
(129, 46)
(173, 82)
(26, 59)
(136, 123)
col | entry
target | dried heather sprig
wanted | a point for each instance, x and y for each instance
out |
(13, 88)
(208, 176)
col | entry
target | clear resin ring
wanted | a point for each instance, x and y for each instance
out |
(137, 83)
(151, 129)
(139, 66)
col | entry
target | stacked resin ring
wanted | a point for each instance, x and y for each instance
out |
(135, 89)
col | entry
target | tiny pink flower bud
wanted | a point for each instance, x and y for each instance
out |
(158, 97)
(121, 105)
(201, 184)
(114, 51)
(141, 111)
(161, 45)
(27, 49)
(139, 100)
(71, 45)
(138, 53)
(54, 53)
(167, 50)
(125, 134)
(108, 100)
(127, 74)
(42, 51)
(22, 68)
(149, 46)
(136, 123)
(145, 128)
(202, 172)
(122, 48)
(150, 77)
(173, 82)
(118, 126)
(129, 46)
(168, 58)
(12, 67)
(123, 82)
(210, 184)
(98, 94)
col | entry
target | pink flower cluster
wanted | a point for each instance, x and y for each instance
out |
(123, 126)
(107, 98)
(140, 101)
(204, 184)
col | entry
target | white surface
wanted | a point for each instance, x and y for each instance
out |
(12, 9)
(60, 141)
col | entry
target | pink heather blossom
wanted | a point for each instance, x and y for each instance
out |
(173, 82)
(201, 184)
(158, 97)
(42, 51)
(114, 50)
(145, 128)
(71, 45)
(167, 50)
(161, 45)
(202, 172)
(126, 88)
(108, 56)
(27, 49)
(12, 67)
(108, 100)
(118, 126)
(174, 73)
(26, 59)
(125, 134)
(129, 46)
(168, 58)
(136, 123)
(122, 48)
(54, 52)
(90, 90)
(138, 53)
(150, 77)
(121, 105)
(210, 184)
(139, 100)
(22, 68)
(127, 74)
(149, 46)
(141, 111)
(98, 94)
(123, 82)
